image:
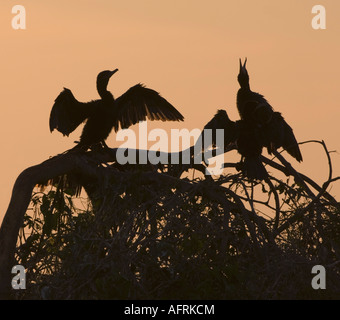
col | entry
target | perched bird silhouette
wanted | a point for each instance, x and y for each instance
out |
(136, 104)
(245, 136)
(273, 130)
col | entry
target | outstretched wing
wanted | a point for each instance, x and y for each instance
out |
(281, 135)
(68, 113)
(219, 121)
(140, 103)
(222, 121)
(289, 142)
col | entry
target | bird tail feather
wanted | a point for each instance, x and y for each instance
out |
(254, 169)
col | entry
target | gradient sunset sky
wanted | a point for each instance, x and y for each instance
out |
(187, 50)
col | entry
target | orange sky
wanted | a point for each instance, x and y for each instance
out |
(188, 50)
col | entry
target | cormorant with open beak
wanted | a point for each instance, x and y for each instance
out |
(255, 109)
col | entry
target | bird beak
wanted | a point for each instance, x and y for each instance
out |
(244, 65)
(114, 71)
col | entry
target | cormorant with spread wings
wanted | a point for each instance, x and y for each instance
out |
(136, 104)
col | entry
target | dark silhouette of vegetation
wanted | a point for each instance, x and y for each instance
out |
(156, 232)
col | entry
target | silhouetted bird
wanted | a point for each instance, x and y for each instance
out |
(254, 108)
(249, 146)
(220, 121)
(246, 137)
(136, 104)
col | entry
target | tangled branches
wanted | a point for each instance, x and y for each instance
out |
(169, 233)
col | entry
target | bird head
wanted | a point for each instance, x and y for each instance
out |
(103, 79)
(243, 77)
(104, 76)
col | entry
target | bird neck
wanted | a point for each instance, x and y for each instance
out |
(245, 86)
(103, 92)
